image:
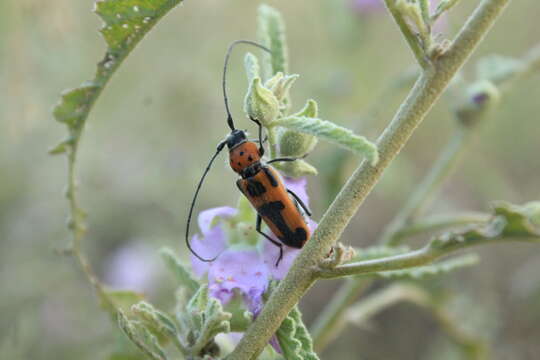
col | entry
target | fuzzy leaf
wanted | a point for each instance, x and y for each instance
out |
(271, 29)
(155, 319)
(296, 169)
(332, 133)
(439, 268)
(294, 339)
(252, 67)
(202, 319)
(413, 12)
(445, 5)
(293, 143)
(125, 24)
(508, 222)
(141, 337)
(181, 273)
(282, 87)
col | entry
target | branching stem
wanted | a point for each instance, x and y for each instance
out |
(424, 94)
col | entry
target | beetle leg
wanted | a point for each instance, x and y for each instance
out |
(284, 159)
(278, 244)
(300, 202)
(261, 148)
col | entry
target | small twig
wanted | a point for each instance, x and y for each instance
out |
(328, 325)
(423, 256)
(424, 192)
(78, 230)
(410, 37)
(380, 300)
(439, 222)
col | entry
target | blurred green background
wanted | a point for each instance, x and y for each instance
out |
(156, 124)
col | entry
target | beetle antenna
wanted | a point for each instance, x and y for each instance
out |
(224, 82)
(220, 147)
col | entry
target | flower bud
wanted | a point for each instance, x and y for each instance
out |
(261, 103)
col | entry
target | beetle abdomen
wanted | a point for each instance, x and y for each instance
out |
(269, 197)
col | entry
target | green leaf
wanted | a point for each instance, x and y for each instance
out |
(333, 133)
(439, 268)
(251, 65)
(177, 268)
(271, 29)
(508, 222)
(141, 337)
(280, 85)
(125, 24)
(445, 5)
(297, 144)
(202, 319)
(296, 169)
(155, 319)
(294, 338)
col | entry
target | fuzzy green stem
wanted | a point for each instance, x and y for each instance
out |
(420, 257)
(361, 312)
(425, 191)
(410, 37)
(327, 325)
(395, 234)
(439, 222)
(78, 230)
(380, 300)
(424, 94)
(104, 73)
(272, 142)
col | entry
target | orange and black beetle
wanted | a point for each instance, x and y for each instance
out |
(277, 206)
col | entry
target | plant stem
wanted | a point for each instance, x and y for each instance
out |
(410, 37)
(77, 227)
(531, 62)
(424, 94)
(423, 256)
(327, 325)
(424, 192)
(440, 222)
(272, 139)
(360, 312)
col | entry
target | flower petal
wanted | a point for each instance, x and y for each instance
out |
(297, 186)
(243, 270)
(271, 255)
(207, 216)
(207, 247)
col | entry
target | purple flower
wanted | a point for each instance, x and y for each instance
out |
(242, 268)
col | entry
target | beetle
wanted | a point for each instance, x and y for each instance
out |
(260, 183)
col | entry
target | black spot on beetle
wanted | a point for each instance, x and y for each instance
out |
(250, 158)
(272, 212)
(239, 164)
(241, 153)
(270, 177)
(255, 188)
